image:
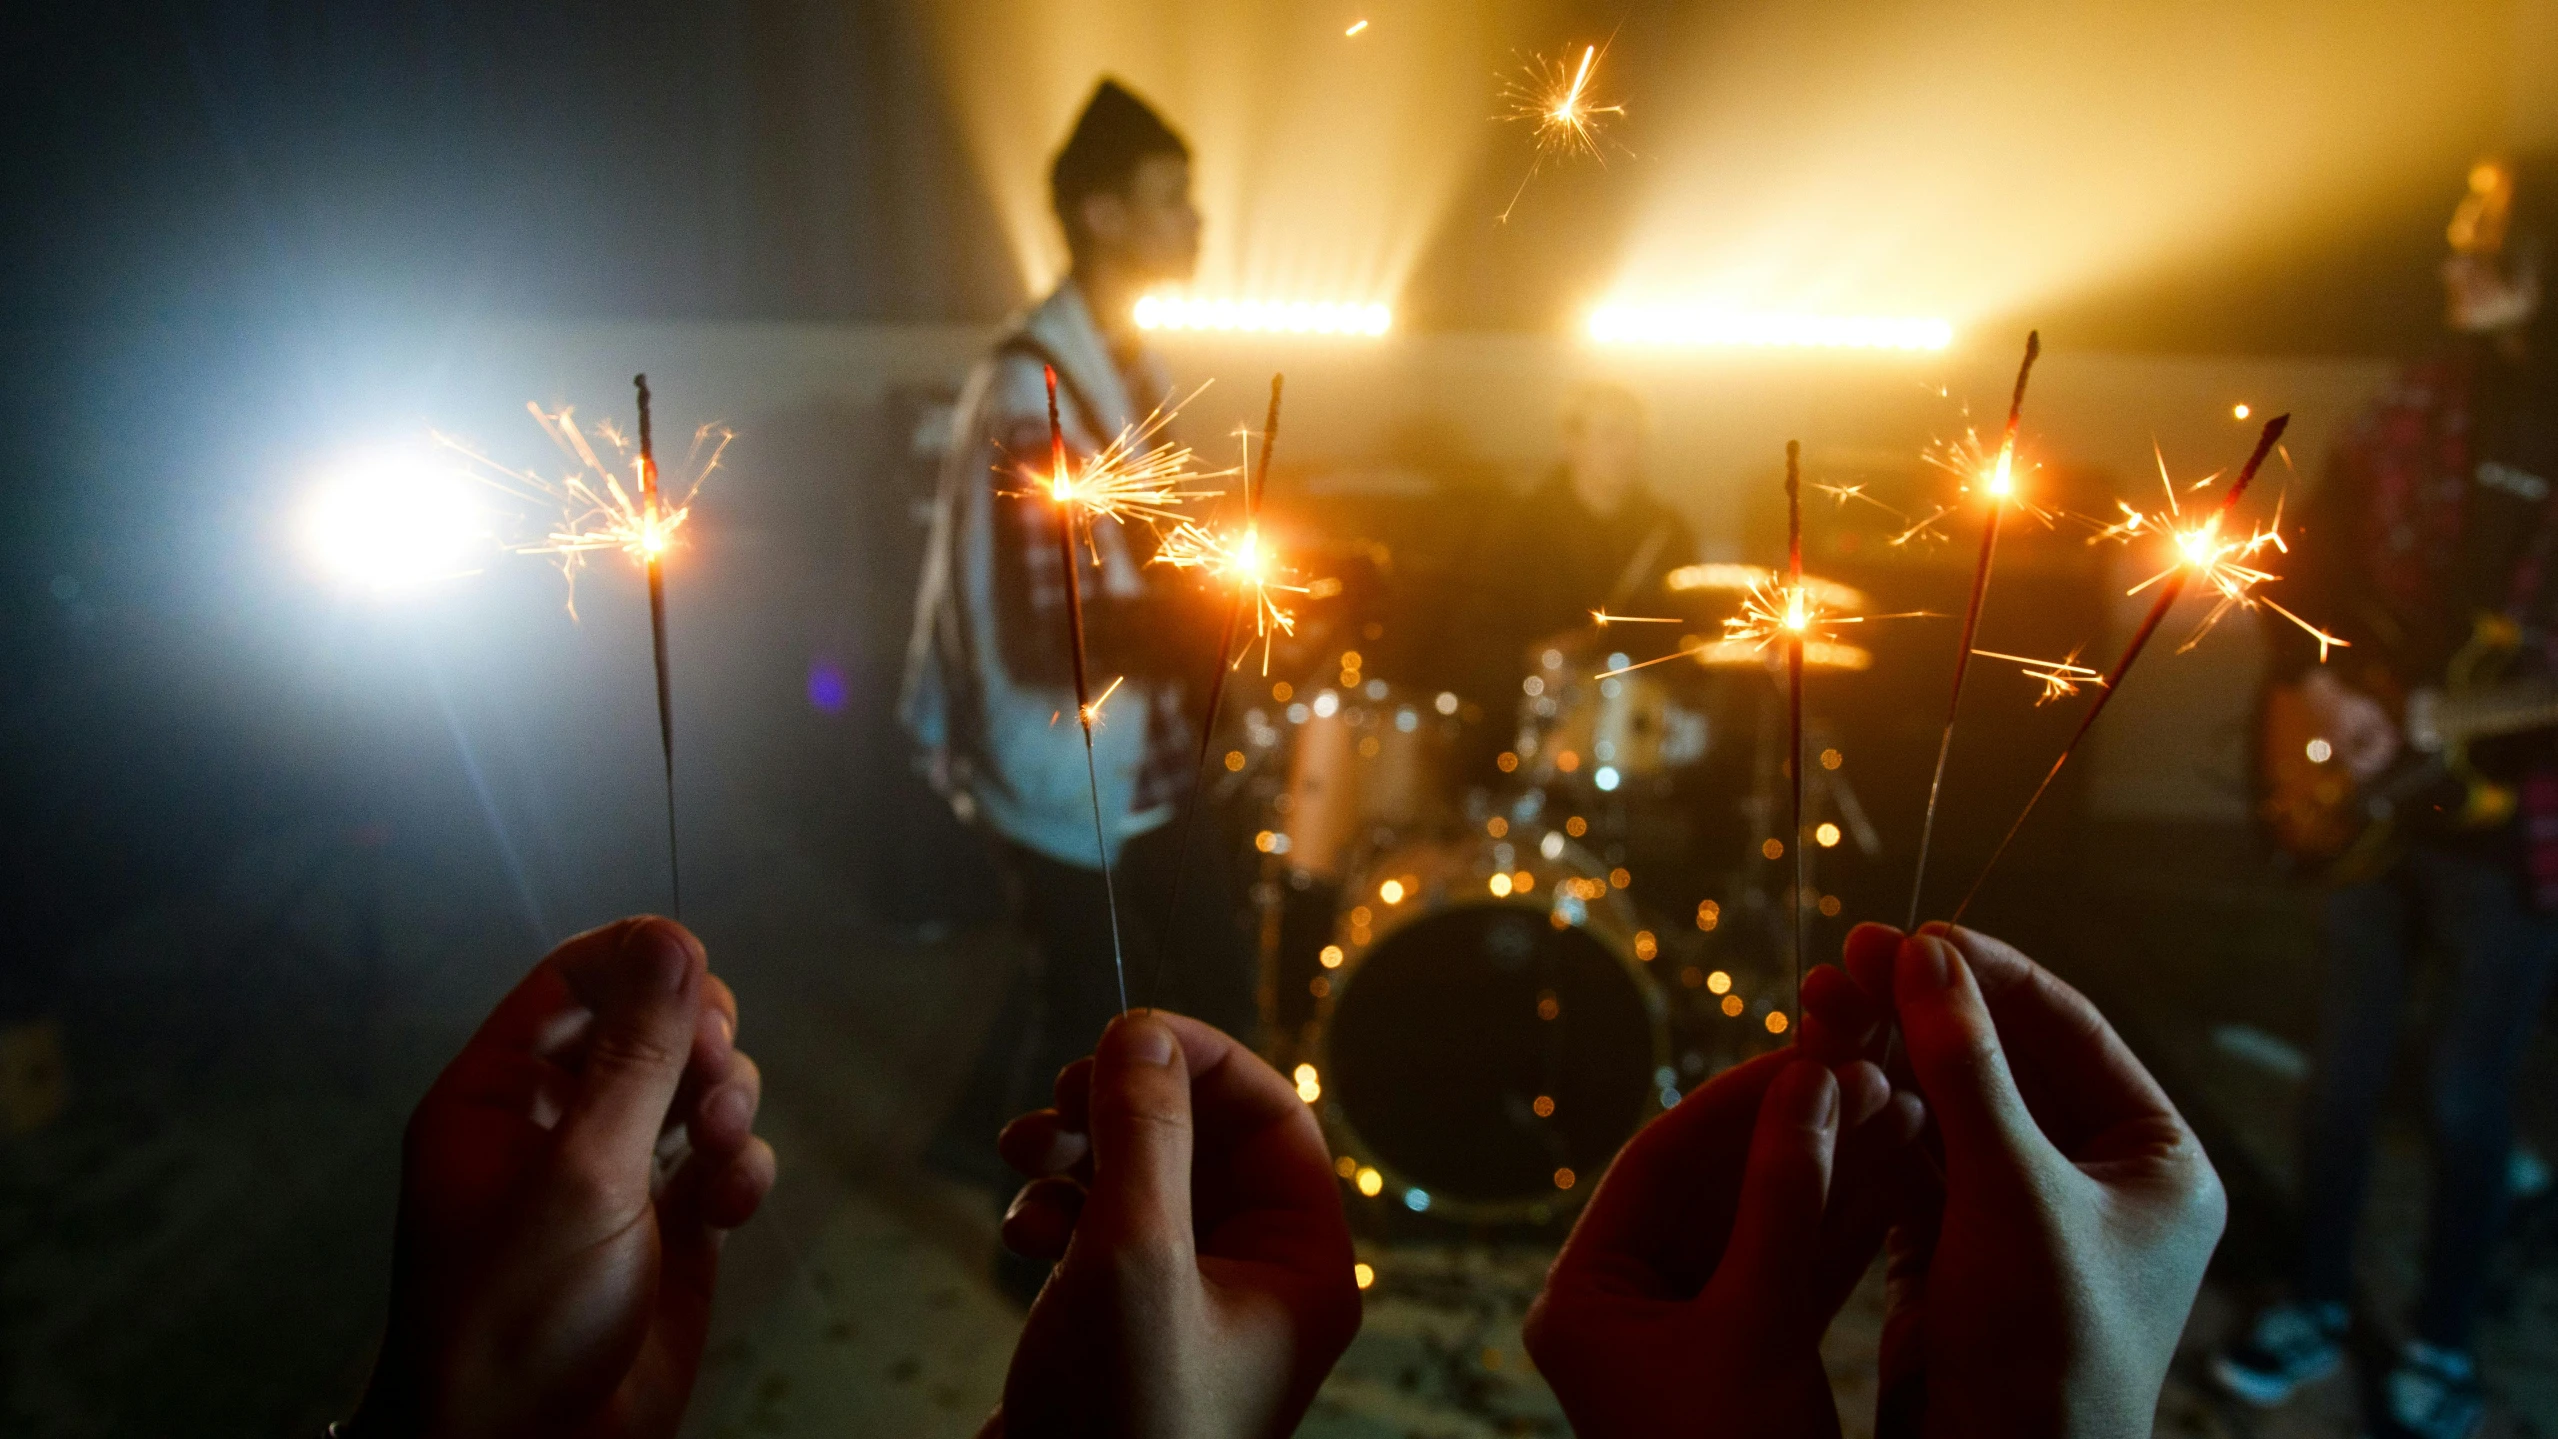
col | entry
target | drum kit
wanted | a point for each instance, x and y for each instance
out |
(1487, 970)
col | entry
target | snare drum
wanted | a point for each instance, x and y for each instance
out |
(1368, 764)
(1490, 1032)
(1603, 731)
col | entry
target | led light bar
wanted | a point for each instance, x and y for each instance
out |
(1681, 327)
(1262, 317)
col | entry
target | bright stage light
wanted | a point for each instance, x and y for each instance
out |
(393, 523)
(1692, 327)
(1262, 317)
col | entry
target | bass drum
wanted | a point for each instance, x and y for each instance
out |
(1488, 1036)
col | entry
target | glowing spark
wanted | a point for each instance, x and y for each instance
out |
(2231, 566)
(1139, 477)
(1246, 561)
(597, 512)
(1562, 117)
(1092, 712)
(1355, 29)
(1603, 619)
(2061, 677)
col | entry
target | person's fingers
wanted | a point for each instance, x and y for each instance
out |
(1875, 1165)
(1868, 957)
(1841, 1022)
(1954, 1051)
(645, 997)
(734, 1191)
(724, 1117)
(1038, 1144)
(1260, 1150)
(1042, 1218)
(715, 1039)
(1141, 1136)
(1072, 1094)
(2078, 1075)
(1658, 1222)
(1776, 1233)
(1863, 1091)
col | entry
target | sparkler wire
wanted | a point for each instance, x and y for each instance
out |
(1972, 619)
(657, 637)
(1083, 684)
(1253, 483)
(2167, 597)
(1794, 709)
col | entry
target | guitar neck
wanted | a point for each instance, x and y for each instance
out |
(2497, 710)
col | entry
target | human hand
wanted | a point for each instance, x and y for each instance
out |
(1203, 1285)
(2365, 738)
(2078, 1211)
(1693, 1293)
(546, 1279)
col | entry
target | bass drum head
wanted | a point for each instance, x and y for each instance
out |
(1491, 1062)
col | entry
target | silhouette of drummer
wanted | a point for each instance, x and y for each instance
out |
(1590, 536)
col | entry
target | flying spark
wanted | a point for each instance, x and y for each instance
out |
(1563, 118)
(596, 511)
(2061, 677)
(1603, 619)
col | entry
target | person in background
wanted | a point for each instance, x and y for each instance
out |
(989, 694)
(2435, 526)
(565, 1187)
(1590, 536)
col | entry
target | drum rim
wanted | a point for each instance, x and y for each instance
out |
(1611, 920)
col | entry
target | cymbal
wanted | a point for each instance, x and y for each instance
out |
(1720, 579)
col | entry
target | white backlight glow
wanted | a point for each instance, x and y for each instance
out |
(1674, 326)
(1262, 317)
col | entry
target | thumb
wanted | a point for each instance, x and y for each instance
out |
(644, 994)
(1141, 1136)
(1954, 1052)
(1777, 1228)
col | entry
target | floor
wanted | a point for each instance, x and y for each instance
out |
(197, 1244)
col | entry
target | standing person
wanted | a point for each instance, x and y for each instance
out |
(989, 693)
(2434, 529)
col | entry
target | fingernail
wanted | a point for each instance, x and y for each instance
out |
(727, 1026)
(1145, 1039)
(662, 952)
(1927, 963)
(729, 1110)
(1812, 1094)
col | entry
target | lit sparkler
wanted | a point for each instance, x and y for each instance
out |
(1795, 617)
(1072, 496)
(2227, 564)
(597, 512)
(1554, 99)
(652, 547)
(1997, 482)
(1248, 563)
(1138, 478)
(2200, 552)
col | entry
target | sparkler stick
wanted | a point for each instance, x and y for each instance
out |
(653, 551)
(1797, 616)
(2001, 483)
(1061, 486)
(2195, 546)
(1253, 483)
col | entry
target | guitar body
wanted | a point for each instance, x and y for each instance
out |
(2310, 804)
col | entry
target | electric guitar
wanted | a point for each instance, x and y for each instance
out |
(2314, 808)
